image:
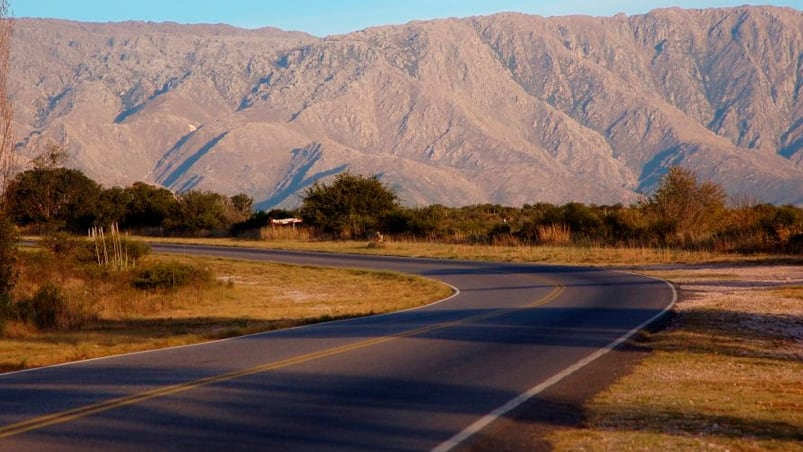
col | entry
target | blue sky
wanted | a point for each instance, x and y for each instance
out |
(324, 17)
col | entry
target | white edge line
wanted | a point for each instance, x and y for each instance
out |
(455, 292)
(484, 421)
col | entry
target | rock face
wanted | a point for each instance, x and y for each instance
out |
(508, 109)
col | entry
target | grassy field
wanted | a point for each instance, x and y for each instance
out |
(572, 255)
(726, 375)
(245, 297)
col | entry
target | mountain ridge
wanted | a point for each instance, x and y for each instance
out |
(508, 108)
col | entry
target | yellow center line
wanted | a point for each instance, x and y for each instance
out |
(88, 410)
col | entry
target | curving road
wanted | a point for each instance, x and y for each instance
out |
(416, 380)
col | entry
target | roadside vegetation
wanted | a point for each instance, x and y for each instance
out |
(68, 307)
(725, 375)
(683, 214)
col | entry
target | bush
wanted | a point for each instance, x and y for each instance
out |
(64, 245)
(8, 267)
(6, 310)
(169, 275)
(47, 309)
(349, 207)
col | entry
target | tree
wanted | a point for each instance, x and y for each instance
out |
(8, 236)
(53, 198)
(200, 211)
(112, 206)
(242, 204)
(6, 111)
(683, 208)
(148, 206)
(349, 207)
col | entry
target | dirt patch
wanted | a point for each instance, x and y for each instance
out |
(751, 299)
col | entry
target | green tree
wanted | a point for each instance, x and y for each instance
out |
(8, 267)
(200, 211)
(112, 206)
(53, 199)
(683, 209)
(242, 205)
(148, 206)
(349, 207)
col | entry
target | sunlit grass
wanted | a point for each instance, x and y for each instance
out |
(247, 297)
(572, 255)
(726, 375)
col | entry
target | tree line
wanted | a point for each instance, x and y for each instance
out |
(49, 198)
(682, 212)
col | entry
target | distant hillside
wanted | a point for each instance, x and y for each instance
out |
(508, 109)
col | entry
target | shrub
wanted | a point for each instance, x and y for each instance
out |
(349, 207)
(6, 310)
(47, 309)
(8, 267)
(61, 244)
(169, 275)
(683, 209)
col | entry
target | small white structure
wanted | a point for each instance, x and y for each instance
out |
(286, 221)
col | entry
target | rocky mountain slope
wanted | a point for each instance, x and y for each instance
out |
(508, 109)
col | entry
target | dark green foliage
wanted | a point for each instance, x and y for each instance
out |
(63, 245)
(134, 249)
(169, 275)
(795, 244)
(112, 206)
(66, 247)
(582, 221)
(621, 225)
(242, 205)
(7, 309)
(53, 198)
(9, 271)
(683, 212)
(200, 211)
(349, 207)
(148, 206)
(47, 309)
(427, 222)
(8, 255)
(8, 268)
(258, 220)
(397, 222)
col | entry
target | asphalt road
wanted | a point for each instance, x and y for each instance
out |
(415, 380)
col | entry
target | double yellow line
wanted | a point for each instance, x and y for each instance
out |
(88, 410)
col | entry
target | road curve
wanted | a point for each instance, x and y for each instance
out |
(421, 379)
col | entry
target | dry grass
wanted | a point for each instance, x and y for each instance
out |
(572, 255)
(247, 297)
(725, 376)
(554, 234)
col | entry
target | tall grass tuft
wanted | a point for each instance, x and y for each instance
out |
(554, 234)
(115, 251)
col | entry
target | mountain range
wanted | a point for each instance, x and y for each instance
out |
(508, 108)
